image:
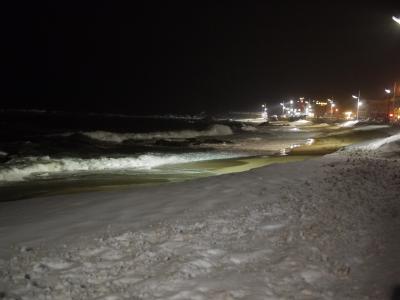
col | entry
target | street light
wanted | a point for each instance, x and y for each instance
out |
(358, 103)
(392, 99)
(291, 108)
(264, 113)
(283, 108)
(332, 106)
(397, 20)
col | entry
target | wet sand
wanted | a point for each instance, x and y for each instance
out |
(339, 138)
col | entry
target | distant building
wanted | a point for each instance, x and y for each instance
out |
(321, 109)
(385, 109)
(395, 113)
(375, 109)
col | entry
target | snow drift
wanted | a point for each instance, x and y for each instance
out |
(376, 143)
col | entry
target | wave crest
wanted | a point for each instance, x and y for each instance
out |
(28, 167)
(114, 137)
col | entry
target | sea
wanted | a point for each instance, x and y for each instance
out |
(53, 152)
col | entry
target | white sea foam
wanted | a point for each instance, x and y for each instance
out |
(248, 128)
(349, 123)
(300, 122)
(371, 127)
(115, 137)
(22, 169)
(2, 153)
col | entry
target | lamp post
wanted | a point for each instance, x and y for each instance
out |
(264, 113)
(283, 108)
(388, 91)
(392, 99)
(291, 108)
(332, 104)
(358, 103)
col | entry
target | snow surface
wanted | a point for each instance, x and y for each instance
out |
(376, 143)
(325, 228)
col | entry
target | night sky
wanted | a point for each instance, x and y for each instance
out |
(188, 57)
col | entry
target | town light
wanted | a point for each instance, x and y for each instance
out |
(397, 20)
(348, 114)
(388, 91)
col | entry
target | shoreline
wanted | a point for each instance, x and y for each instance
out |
(323, 228)
(326, 139)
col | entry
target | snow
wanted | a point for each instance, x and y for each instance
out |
(376, 143)
(325, 228)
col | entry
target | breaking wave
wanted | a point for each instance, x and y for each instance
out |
(31, 167)
(114, 137)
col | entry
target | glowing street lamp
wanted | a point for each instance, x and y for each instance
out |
(397, 20)
(391, 99)
(291, 107)
(264, 113)
(358, 103)
(332, 106)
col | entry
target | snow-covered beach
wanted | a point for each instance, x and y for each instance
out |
(325, 228)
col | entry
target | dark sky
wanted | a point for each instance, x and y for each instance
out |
(192, 56)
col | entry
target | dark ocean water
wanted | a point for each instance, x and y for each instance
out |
(43, 149)
(47, 153)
